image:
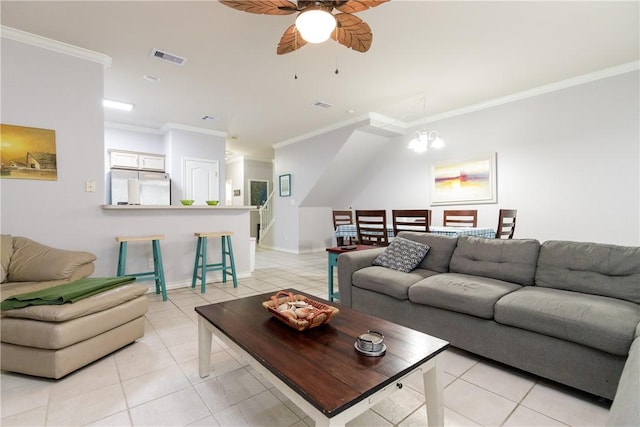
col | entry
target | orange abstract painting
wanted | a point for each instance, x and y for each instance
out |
(464, 182)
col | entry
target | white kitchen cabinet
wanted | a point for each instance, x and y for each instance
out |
(124, 159)
(136, 160)
(151, 162)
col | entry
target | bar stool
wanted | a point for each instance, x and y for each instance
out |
(158, 269)
(201, 266)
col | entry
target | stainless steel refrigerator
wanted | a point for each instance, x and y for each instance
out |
(130, 187)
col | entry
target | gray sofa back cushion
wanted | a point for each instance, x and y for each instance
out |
(441, 249)
(594, 268)
(508, 260)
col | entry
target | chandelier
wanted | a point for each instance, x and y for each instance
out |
(420, 143)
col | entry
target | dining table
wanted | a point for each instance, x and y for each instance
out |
(349, 230)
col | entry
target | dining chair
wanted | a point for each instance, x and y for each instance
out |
(506, 223)
(461, 218)
(344, 217)
(411, 220)
(372, 227)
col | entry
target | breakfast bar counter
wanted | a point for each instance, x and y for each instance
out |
(174, 207)
(177, 224)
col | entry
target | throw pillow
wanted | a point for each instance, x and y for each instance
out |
(402, 255)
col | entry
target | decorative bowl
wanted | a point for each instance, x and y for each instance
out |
(187, 202)
(212, 202)
(319, 313)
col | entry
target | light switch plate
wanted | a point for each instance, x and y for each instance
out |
(90, 187)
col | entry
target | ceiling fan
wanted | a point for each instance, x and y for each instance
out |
(345, 28)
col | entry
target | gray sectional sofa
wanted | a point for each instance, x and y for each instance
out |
(566, 311)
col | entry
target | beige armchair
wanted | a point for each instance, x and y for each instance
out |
(54, 340)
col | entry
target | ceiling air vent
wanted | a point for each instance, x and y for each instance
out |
(169, 57)
(322, 104)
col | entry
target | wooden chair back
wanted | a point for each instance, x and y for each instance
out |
(372, 227)
(411, 220)
(506, 223)
(461, 218)
(342, 218)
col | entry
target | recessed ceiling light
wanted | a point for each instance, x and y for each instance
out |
(117, 105)
(151, 78)
(208, 117)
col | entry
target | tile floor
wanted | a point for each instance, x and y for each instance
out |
(155, 381)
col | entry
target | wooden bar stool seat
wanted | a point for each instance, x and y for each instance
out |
(158, 269)
(201, 267)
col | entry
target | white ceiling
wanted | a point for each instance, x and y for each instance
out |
(427, 57)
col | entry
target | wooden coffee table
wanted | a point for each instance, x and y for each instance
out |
(319, 369)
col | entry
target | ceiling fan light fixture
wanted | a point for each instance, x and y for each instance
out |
(315, 25)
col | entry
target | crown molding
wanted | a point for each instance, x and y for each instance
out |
(54, 45)
(540, 90)
(133, 128)
(177, 126)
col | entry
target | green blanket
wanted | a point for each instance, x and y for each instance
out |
(65, 293)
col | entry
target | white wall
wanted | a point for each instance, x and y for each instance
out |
(306, 161)
(568, 160)
(45, 89)
(119, 138)
(185, 144)
(68, 99)
(235, 172)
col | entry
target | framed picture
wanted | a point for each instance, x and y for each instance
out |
(285, 185)
(466, 181)
(258, 192)
(28, 153)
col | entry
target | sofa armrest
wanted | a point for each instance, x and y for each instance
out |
(35, 262)
(349, 263)
(625, 410)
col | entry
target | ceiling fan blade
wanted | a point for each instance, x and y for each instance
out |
(353, 6)
(352, 32)
(290, 41)
(271, 7)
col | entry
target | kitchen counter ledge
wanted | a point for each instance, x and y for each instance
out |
(174, 207)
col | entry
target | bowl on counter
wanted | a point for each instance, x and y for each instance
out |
(187, 202)
(212, 202)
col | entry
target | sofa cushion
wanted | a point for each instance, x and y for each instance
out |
(461, 293)
(57, 335)
(440, 249)
(33, 262)
(387, 281)
(604, 323)
(508, 260)
(594, 268)
(93, 304)
(402, 255)
(6, 250)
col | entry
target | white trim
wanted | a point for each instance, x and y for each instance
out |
(234, 159)
(169, 126)
(133, 128)
(540, 90)
(54, 45)
(381, 121)
(368, 119)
